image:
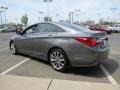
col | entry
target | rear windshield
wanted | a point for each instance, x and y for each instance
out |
(75, 27)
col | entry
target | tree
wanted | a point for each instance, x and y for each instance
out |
(24, 20)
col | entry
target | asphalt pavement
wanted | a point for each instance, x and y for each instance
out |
(21, 65)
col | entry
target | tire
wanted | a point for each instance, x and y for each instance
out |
(58, 60)
(110, 32)
(3, 30)
(13, 48)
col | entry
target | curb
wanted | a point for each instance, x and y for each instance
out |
(9, 82)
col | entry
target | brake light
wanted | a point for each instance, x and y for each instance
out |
(89, 41)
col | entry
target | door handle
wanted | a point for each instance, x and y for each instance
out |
(50, 36)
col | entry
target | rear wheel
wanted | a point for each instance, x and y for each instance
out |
(13, 48)
(58, 60)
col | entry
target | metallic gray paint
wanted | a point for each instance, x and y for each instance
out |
(39, 44)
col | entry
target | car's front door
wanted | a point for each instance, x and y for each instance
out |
(43, 39)
(24, 42)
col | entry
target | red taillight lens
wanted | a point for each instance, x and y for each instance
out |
(89, 41)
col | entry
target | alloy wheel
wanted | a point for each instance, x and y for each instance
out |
(12, 48)
(57, 60)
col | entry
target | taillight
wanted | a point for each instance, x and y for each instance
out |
(89, 41)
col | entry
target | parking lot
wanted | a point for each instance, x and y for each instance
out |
(22, 65)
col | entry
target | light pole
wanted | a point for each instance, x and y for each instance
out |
(41, 15)
(113, 11)
(47, 1)
(98, 16)
(4, 9)
(71, 17)
(108, 18)
(1, 16)
(57, 17)
(72, 13)
(77, 11)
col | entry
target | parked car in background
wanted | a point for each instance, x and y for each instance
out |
(115, 28)
(7, 29)
(100, 28)
(62, 44)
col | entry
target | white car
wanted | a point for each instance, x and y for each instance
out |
(115, 28)
(7, 29)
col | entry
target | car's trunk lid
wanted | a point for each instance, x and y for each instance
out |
(102, 37)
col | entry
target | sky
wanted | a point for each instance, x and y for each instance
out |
(89, 9)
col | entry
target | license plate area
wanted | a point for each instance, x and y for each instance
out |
(104, 43)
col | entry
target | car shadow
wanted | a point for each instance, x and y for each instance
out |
(36, 59)
(95, 71)
(111, 65)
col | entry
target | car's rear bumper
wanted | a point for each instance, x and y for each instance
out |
(89, 59)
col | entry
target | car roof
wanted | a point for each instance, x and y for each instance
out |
(65, 26)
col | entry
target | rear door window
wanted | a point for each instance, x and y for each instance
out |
(46, 28)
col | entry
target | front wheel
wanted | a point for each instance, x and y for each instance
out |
(58, 60)
(13, 48)
(3, 30)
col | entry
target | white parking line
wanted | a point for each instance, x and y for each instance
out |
(4, 49)
(15, 66)
(114, 52)
(111, 79)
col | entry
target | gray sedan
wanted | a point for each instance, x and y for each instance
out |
(62, 44)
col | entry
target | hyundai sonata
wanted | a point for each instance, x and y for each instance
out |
(62, 44)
